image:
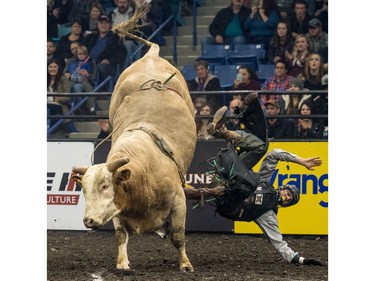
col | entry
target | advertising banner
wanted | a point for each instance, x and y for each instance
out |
(65, 201)
(310, 215)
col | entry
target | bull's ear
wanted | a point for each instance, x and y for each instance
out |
(122, 176)
(77, 179)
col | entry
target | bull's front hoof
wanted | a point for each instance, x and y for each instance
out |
(186, 267)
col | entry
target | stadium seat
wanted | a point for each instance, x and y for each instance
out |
(63, 30)
(188, 71)
(226, 74)
(265, 71)
(215, 54)
(252, 54)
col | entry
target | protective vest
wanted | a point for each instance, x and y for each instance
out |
(262, 200)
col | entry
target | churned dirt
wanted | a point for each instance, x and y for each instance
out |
(91, 255)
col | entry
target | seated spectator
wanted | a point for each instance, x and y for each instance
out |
(278, 82)
(299, 20)
(262, 22)
(291, 103)
(202, 124)
(227, 26)
(52, 54)
(57, 82)
(205, 81)
(320, 11)
(123, 13)
(277, 128)
(246, 80)
(104, 128)
(308, 128)
(76, 35)
(281, 42)
(235, 124)
(80, 9)
(313, 72)
(65, 7)
(318, 39)
(95, 12)
(285, 8)
(198, 101)
(81, 71)
(53, 17)
(296, 60)
(106, 49)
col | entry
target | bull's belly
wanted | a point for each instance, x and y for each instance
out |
(149, 222)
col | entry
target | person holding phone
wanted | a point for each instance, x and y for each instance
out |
(246, 79)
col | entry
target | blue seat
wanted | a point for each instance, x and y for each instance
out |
(252, 54)
(226, 74)
(265, 71)
(215, 54)
(63, 30)
(188, 71)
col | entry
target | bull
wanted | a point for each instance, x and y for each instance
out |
(139, 187)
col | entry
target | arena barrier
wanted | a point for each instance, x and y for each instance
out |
(65, 201)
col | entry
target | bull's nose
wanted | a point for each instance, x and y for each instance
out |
(90, 223)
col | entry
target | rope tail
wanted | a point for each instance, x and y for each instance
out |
(130, 27)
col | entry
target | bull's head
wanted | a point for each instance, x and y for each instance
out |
(98, 191)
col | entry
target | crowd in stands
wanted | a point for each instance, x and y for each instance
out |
(294, 34)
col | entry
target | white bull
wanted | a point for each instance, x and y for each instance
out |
(153, 143)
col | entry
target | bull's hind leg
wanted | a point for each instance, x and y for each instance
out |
(122, 238)
(178, 218)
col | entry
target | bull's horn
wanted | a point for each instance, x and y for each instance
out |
(114, 165)
(80, 169)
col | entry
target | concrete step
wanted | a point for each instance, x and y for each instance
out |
(184, 39)
(182, 50)
(87, 126)
(201, 20)
(210, 10)
(103, 104)
(86, 135)
(188, 30)
(102, 112)
(210, 3)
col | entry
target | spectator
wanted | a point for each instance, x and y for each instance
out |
(202, 124)
(57, 82)
(308, 128)
(65, 7)
(246, 79)
(81, 71)
(278, 82)
(123, 13)
(281, 42)
(53, 18)
(80, 9)
(76, 35)
(313, 72)
(262, 22)
(320, 101)
(51, 53)
(322, 15)
(205, 81)
(106, 49)
(198, 101)
(95, 12)
(285, 8)
(235, 124)
(277, 128)
(291, 103)
(296, 60)
(227, 26)
(318, 39)
(104, 128)
(299, 21)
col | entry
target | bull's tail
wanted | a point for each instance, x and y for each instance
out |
(131, 27)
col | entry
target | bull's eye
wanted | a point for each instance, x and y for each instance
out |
(104, 187)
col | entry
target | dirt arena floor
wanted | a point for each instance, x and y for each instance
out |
(91, 255)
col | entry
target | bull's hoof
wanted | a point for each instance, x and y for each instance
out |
(186, 267)
(124, 267)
